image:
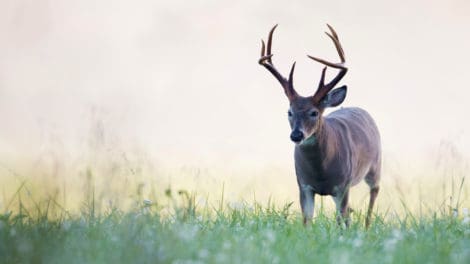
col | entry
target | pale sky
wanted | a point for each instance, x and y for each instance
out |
(180, 80)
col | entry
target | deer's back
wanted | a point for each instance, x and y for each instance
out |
(357, 123)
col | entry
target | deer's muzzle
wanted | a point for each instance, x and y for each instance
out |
(296, 136)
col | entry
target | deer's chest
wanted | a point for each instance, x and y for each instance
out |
(324, 180)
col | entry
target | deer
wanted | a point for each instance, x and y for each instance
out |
(332, 152)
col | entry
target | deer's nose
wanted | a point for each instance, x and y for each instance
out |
(296, 136)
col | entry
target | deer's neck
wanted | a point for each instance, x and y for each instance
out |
(320, 147)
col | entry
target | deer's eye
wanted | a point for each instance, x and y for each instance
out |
(314, 113)
(289, 113)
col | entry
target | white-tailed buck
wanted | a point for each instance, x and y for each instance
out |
(332, 152)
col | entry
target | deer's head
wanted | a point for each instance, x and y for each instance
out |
(305, 113)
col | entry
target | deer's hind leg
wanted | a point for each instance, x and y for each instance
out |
(372, 179)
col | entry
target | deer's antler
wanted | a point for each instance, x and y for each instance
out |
(266, 61)
(323, 88)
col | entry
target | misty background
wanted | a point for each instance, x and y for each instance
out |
(178, 83)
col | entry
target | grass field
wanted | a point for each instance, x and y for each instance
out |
(242, 233)
(124, 212)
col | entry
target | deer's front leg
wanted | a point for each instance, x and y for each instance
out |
(307, 202)
(342, 207)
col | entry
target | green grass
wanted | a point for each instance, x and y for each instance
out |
(248, 234)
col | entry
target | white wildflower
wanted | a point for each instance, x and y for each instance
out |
(465, 212)
(24, 246)
(187, 232)
(12, 232)
(221, 258)
(161, 253)
(467, 232)
(114, 238)
(236, 206)
(147, 202)
(341, 258)
(202, 202)
(227, 245)
(390, 244)
(82, 222)
(397, 234)
(270, 236)
(187, 261)
(357, 242)
(66, 225)
(466, 220)
(203, 253)
(276, 260)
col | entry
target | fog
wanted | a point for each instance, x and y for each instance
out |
(179, 80)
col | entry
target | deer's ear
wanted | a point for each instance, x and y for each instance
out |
(334, 97)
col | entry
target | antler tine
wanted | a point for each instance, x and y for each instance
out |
(336, 41)
(262, 48)
(270, 41)
(331, 64)
(266, 61)
(322, 78)
(291, 76)
(264, 57)
(334, 37)
(323, 88)
(267, 56)
(332, 31)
